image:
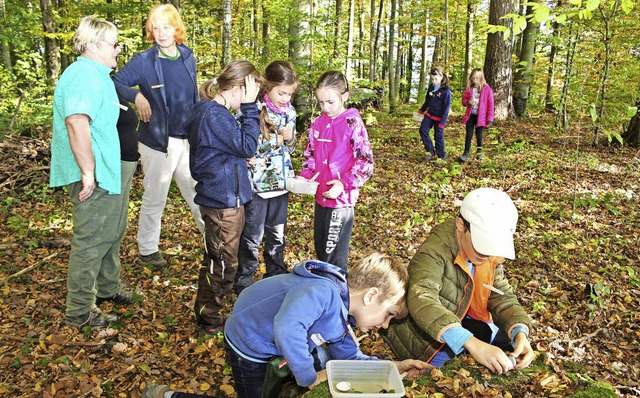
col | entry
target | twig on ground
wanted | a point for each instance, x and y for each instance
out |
(22, 271)
(584, 338)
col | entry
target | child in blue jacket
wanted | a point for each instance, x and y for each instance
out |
(435, 110)
(291, 315)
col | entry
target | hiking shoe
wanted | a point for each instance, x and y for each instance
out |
(93, 318)
(480, 156)
(153, 390)
(154, 259)
(125, 297)
(464, 157)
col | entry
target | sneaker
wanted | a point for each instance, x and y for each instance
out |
(430, 157)
(125, 297)
(464, 157)
(153, 390)
(154, 259)
(93, 318)
(480, 156)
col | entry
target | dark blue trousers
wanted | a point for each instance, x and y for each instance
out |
(438, 136)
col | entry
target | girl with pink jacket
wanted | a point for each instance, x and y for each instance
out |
(478, 98)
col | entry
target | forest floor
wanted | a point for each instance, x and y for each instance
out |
(576, 271)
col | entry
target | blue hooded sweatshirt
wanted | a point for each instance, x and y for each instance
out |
(289, 315)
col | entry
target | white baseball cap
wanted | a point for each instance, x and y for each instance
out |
(493, 217)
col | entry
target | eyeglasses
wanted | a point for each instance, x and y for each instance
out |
(115, 45)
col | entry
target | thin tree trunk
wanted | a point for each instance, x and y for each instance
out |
(607, 65)
(522, 78)
(447, 38)
(226, 32)
(52, 50)
(391, 63)
(497, 64)
(400, 49)
(561, 116)
(423, 64)
(377, 38)
(468, 50)
(548, 100)
(4, 42)
(361, 42)
(350, 39)
(337, 30)
(255, 27)
(372, 42)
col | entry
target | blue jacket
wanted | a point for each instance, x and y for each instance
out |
(289, 315)
(437, 104)
(219, 152)
(144, 70)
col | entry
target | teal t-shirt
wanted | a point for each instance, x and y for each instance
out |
(86, 88)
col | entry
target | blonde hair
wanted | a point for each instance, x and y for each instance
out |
(277, 73)
(171, 14)
(479, 71)
(385, 273)
(232, 75)
(91, 30)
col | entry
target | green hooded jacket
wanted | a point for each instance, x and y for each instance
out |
(439, 295)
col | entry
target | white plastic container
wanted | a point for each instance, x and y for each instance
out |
(367, 379)
(301, 186)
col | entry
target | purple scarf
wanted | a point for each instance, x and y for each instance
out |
(274, 108)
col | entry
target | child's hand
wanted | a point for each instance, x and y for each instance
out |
(250, 91)
(412, 368)
(251, 162)
(287, 133)
(322, 376)
(488, 355)
(522, 352)
(335, 190)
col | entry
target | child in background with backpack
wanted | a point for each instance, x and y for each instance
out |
(435, 110)
(478, 98)
(266, 213)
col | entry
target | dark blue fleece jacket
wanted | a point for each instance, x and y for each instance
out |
(437, 103)
(219, 152)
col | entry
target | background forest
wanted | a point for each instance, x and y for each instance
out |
(572, 58)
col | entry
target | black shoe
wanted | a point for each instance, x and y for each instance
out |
(155, 260)
(210, 330)
(93, 318)
(125, 297)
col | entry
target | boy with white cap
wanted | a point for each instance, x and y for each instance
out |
(458, 296)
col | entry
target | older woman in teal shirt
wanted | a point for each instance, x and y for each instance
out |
(85, 157)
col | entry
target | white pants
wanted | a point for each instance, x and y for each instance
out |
(159, 168)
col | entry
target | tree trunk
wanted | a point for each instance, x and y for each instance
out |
(607, 65)
(350, 39)
(468, 48)
(337, 30)
(423, 64)
(548, 100)
(522, 78)
(265, 34)
(4, 42)
(298, 27)
(226, 32)
(391, 63)
(497, 62)
(375, 42)
(561, 116)
(51, 49)
(447, 38)
(372, 43)
(256, 28)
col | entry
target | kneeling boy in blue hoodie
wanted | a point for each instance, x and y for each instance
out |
(315, 305)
